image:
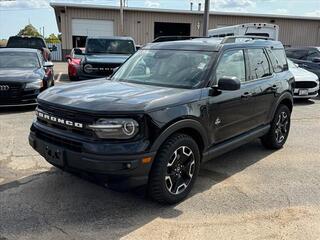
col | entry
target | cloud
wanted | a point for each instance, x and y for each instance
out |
(232, 4)
(152, 4)
(24, 4)
(281, 11)
(315, 13)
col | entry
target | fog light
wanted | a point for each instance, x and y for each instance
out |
(128, 165)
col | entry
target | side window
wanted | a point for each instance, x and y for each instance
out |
(232, 64)
(278, 60)
(297, 54)
(312, 54)
(259, 65)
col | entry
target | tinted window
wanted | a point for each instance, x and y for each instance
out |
(232, 65)
(182, 69)
(278, 60)
(259, 65)
(297, 54)
(19, 60)
(35, 43)
(110, 46)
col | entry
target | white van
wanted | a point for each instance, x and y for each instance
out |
(251, 29)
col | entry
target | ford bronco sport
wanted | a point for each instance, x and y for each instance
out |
(168, 109)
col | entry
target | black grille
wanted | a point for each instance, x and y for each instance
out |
(16, 94)
(305, 84)
(14, 91)
(104, 69)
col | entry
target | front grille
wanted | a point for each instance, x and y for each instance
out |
(16, 94)
(305, 84)
(104, 69)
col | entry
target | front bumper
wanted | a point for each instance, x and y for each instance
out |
(312, 92)
(119, 169)
(21, 98)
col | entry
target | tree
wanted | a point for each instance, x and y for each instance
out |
(29, 30)
(53, 38)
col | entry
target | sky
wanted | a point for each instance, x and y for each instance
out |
(15, 14)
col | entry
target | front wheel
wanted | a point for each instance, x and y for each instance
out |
(279, 131)
(174, 170)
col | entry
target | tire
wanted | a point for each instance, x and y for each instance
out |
(174, 170)
(279, 131)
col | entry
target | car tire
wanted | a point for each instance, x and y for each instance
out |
(279, 130)
(174, 169)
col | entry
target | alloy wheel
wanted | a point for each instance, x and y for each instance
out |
(281, 129)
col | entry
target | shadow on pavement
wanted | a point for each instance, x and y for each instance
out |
(18, 109)
(61, 202)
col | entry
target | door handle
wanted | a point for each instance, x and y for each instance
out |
(246, 95)
(275, 87)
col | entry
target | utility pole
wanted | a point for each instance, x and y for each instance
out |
(206, 18)
(121, 17)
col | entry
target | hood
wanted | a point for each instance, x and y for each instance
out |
(109, 96)
(301, 74)
(106, 58)
(19, 74)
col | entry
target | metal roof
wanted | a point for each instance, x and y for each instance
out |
(158, 10)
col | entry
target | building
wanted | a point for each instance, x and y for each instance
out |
(77, 21)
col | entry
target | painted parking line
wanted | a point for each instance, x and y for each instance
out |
(58, 77)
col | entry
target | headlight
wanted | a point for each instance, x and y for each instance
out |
(34, 85)
(88, 68)
(118, 128)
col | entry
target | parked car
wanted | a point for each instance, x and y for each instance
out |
(74, 59)
(169, 108)
(306, 83)
(23, 75)
(105, 54)
(30, 42)
(306, 57)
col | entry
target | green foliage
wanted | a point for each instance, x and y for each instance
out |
(29, 30)
(53, 38)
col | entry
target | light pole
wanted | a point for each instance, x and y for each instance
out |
(121, 17)
(206, 18)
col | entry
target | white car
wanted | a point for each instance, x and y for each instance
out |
(306, 83)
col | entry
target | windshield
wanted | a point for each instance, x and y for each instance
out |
(18, 60)
(173, 68)
(110, 46)
(35, 43)
(291, 64)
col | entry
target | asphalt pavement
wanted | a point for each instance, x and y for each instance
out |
(249, 193)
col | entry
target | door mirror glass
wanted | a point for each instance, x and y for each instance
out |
(229, 83)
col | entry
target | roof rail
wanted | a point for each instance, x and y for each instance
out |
(232, 39)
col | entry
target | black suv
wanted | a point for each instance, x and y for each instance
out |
(306, 57)
(103, 55)
(169, 108)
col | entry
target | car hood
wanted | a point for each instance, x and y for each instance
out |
(301, 74)
(110, 96)
(19, 75)
(106, 58)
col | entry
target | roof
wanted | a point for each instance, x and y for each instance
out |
(24, 50)
(210, 44)
(158, 10)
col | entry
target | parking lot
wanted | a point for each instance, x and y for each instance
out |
(249, 193)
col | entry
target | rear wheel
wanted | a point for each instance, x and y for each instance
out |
(279, 131)
(174, 170)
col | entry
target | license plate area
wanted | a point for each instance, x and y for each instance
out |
(54, 154)
(303, 92)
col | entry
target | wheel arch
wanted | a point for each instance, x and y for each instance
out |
(190, 127)
(285, 99)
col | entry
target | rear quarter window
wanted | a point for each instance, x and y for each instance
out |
(278, 60)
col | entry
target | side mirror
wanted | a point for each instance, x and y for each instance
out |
(316, 59)
(67, 57)
(229, 83)
(48, 64)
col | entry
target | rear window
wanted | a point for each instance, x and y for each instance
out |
(19, 60)
(297, 53)
(278, 59)
(35, 43)
(110, 46)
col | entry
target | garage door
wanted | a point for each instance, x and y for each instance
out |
(92, 28)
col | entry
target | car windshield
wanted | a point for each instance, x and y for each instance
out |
(35, 43)
(19, 60)
(110, 46)
(172, 68)
(291, 64)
